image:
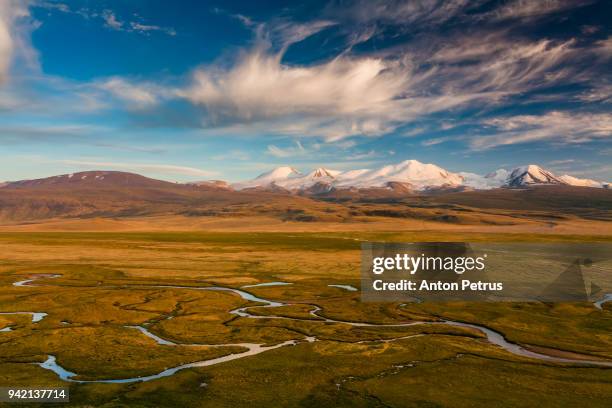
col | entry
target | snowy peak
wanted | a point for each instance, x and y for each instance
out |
(531, 174)
(322, 172)
(215, 184)
(269, 178)
(408, 176)
(524, 176)
(411, 173)
(574, 181)
(279, 173)
(499, 174)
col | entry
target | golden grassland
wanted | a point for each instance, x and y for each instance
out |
(107, 282)
(483, 221)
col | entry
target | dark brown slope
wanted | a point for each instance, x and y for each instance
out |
(554, 201)
(120, 194)
(545, 197)
(551, 200)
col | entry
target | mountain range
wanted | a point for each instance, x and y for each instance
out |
(409, 175)
(408, 190)
(404, 177)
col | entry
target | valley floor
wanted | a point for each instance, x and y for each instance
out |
(95, 287)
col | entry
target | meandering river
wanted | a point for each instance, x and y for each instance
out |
(492, 336)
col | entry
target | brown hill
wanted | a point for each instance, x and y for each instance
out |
(120, 194)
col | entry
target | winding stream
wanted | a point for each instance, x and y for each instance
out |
(257, 285)
(606, 298)
(345, 287)
(36, 316)
(492, 337)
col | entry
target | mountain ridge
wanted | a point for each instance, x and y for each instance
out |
(407, 176)
(120, 195)
(412, 175)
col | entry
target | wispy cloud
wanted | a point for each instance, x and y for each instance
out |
(108, 17)
(45, 132)
(372, 96)
(421, 12)
(334, 99)
(232, 155)
(111, 21)
(146, 28)
(560, 127)
(561, 162)
(297, 150)
(436, 141)
(140, 167)
(139, 95)
(14, 29)
(526, 9)
(599, 93)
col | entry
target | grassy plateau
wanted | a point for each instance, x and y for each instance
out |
(94, 285)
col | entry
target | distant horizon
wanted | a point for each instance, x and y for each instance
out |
(302, 171)
(215, 90)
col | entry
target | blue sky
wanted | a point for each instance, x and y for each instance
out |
(195, 90)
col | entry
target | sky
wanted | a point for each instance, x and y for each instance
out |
(196, 90)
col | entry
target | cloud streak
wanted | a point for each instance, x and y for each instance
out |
(140, 167)
(108, 17)
(526, 9)
(560, 127)
(276, 151)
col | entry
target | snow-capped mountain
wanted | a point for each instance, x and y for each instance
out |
(531, 174)
(219, 184)
(573, 181)
(495, 179)
(322, 177)
(417, 174)
(268, 179)
(524, 176)
(409, 175)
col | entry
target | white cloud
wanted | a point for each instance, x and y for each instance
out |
(529, 9)
(561, 162)
(559, 127)
(421, 12)
(335, 99)
(110, 20)
(145, 28)
(141, 167)
(276, 151)
(436, 141)
(13, 134)
(12, 40)
(601, 93)
(604, 48)
(140, 95)
(496, 64)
